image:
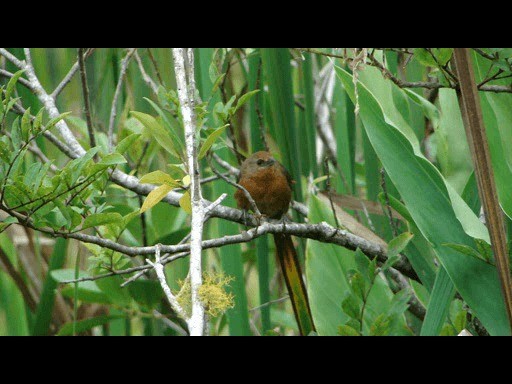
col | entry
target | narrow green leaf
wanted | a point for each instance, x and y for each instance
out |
(157, 132)
(127, 142)
(210, 140)
(44, 310)
(399, 243)
(11, 84)
(245, 98)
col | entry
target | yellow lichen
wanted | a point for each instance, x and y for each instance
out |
(212, 294)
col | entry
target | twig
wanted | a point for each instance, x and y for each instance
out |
(155, 66)
(159, 269)
(148, 80)
(85, 92)
(329, 190)
(169, 323)
(69, 76)
(280, 300)
(113, 110)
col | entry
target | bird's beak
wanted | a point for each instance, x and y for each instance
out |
(270, 162)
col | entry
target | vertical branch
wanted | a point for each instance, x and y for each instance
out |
(85, 91)
(469, 104)
(113, 110)
(183, 65)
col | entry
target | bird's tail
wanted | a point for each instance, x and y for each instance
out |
(293, 276)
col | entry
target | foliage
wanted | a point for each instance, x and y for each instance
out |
(404, 153)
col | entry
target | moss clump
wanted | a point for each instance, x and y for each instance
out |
(212, 294)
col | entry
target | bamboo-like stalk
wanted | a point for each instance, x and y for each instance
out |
(469, 103)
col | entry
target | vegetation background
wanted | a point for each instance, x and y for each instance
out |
(373, 137)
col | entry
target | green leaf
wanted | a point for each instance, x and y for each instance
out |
(358, 285)
(127, 142)
(159, 177)
(113, 159)
(380, 326)
(347, 330)
(87, 324)
(439, 304)
(399, 243)
(148, 293)
(97, 219)
(210, 140)
(155, 196)
(25, 125)
(87, 292)
(11, 84)
(430, 203)
(465, 249)
(245, 98)
(185, 202)
(55, 120)
(351, 306)
(111, 287)
(157, 132)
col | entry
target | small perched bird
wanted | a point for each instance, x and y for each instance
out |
(270, 186)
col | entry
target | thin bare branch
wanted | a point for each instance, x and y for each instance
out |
(117, 94)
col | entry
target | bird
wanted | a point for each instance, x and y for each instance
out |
(270, 185)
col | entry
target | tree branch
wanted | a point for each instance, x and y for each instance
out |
(184, 69)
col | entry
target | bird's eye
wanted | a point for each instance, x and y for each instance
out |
(260, 162)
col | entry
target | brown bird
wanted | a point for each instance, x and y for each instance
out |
(270, 186)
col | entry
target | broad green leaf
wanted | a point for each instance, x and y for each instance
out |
(327, 270)
(155, 196)
(87, 324)
(426, 195)
(97, 219)
(87, 292)
(439, 304)
(210, 140)
(148, 293)
(185, 202)
(159, 177)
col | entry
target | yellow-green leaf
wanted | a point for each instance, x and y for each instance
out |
(185, 202)
(157, 131)
(210, 140)
(155, 196)
(186, 180)
(159, 177)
